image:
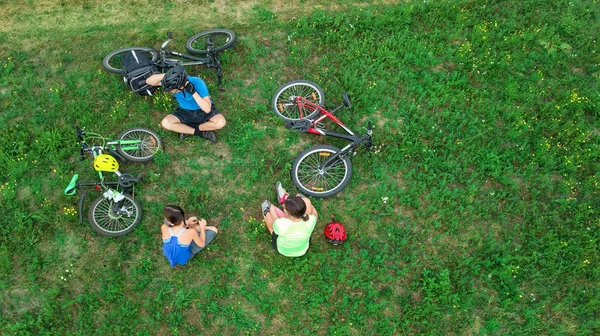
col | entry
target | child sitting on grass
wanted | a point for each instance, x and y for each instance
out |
(291, 227)
(182, 239)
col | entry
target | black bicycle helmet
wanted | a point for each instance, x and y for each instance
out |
(175, 78)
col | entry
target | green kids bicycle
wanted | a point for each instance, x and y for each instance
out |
(116, 212)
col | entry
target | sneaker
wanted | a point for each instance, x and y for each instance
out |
(282, 195)
(182, 136)
(210, 135)
(266, 207)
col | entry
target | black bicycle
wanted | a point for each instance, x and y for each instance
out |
(208, 43)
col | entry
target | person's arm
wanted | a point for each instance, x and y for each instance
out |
(154, 80)
(196, 92)
(310, 209)
(200, 227)
(204, 103)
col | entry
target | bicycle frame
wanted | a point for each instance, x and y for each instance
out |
(212, 61)
(96, 150)
(355, 140)
(98, 185)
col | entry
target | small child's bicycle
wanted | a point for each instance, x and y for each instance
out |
(116, 212)
(207, 43)
(322, 170)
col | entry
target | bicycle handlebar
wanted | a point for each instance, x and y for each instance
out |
(79, 132)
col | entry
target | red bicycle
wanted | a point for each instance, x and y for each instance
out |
(322, 170)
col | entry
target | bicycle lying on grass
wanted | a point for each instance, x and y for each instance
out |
(322, 170)
(209, 43)
(116, 212)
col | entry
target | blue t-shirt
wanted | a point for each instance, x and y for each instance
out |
(186, 101)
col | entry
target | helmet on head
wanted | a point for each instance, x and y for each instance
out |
(335, 233)
(105, 162)
(175, 78)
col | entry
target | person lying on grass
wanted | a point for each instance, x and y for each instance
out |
(196, 114)
(182, 238)
(291, 227)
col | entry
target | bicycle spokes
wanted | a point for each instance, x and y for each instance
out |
(115, 216)
(289, 107)
(139, 144)
(318, 179)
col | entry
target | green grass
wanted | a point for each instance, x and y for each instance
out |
(477, 213)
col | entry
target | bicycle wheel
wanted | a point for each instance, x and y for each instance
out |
(312, 181)
(142, 151)
(112, 61)
(222, 39)
(115, 219)
(284, 100)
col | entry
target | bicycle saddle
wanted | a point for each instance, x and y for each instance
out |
(301, 125)
(126, 181)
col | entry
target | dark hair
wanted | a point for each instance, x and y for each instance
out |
(296, 207)
(174, 214)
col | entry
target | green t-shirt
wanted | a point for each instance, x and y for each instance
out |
(293, 236)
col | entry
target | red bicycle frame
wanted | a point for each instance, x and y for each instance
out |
(304, 103)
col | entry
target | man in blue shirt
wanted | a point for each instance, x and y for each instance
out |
(196, 114)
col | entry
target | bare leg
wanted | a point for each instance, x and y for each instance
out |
(172, 123)
(213, 124)
(271, 216)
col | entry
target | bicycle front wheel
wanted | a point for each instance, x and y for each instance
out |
(112, 61)
(284, 100)
(316, 182)
(139, 144)
(222, 39)
(115, 219)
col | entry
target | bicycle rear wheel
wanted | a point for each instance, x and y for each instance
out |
(284, 100)
(112, 61)
(222, 39)
(115, 219)
(145, 144)
(312, 181)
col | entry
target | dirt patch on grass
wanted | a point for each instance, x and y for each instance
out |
(24, 193)
(404, 211)
(21, 300)
(446, 67)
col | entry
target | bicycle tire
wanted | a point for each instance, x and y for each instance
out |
(112, 61)
(309, 181)
(222, 38)
(283, 103)
(150, 144)
(106, 223)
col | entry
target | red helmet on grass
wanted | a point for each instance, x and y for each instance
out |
(335, 233)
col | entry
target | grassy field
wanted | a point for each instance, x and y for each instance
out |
(477, 213)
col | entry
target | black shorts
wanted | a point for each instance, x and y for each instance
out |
(274, 240)
(194, 118)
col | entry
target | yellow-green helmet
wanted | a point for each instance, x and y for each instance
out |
(105, 162)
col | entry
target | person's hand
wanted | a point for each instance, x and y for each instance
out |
(192, 221)
(189, 88)
(201, 225)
